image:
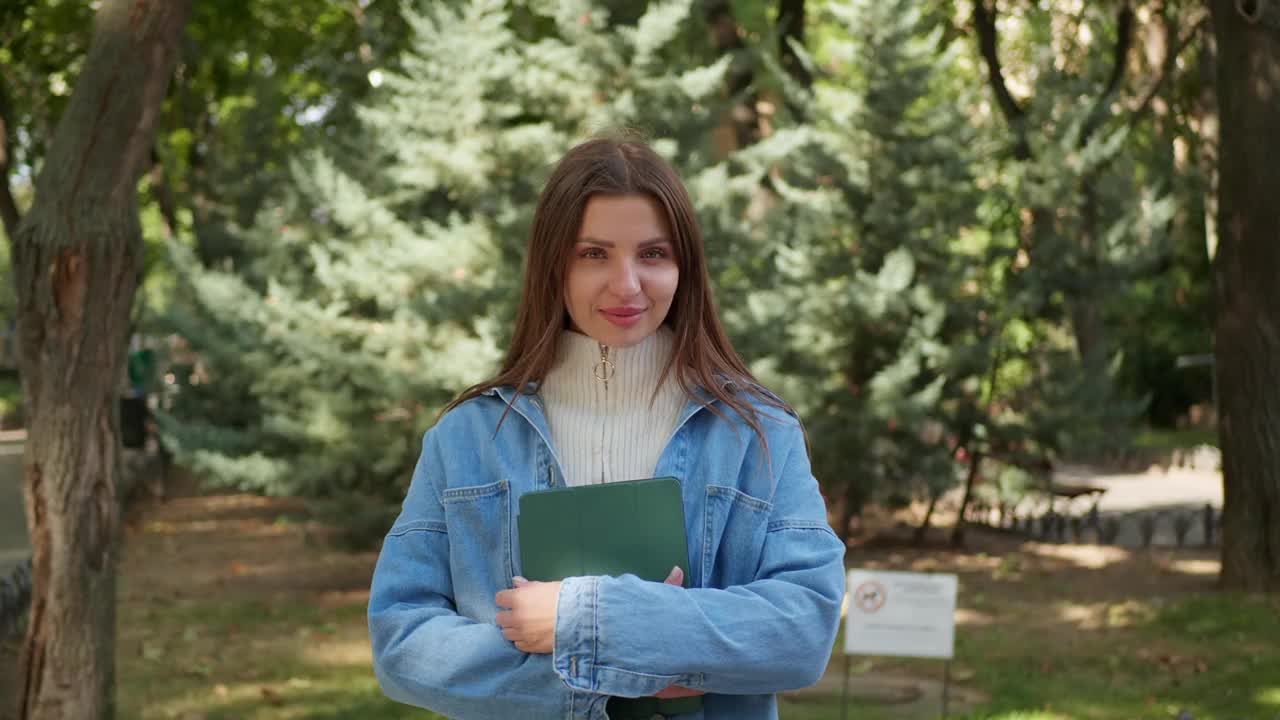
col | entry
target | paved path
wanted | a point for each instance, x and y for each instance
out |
(1157, 495)
(1195, 483)
(14, 547)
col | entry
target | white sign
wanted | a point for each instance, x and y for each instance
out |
(900, 613)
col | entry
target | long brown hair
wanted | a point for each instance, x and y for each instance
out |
(703, 357)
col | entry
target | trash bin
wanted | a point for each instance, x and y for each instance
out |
(133, 422)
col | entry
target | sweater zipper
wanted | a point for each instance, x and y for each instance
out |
(607, 367)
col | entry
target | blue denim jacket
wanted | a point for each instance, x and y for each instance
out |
(758, 615)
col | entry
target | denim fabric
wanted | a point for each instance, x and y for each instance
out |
(759, 614)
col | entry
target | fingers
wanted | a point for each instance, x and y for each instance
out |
(676, 577)
(506, 619)
(505, 598)
(678, 691)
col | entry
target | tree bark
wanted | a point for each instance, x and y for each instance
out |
(77, 254)
(1246, 294)
(921, 533)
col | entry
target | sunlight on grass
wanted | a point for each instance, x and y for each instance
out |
(1093, 557)
(339, 653)
(1268, 696)
(1032, 715)
(249, 659)
(1194, 566)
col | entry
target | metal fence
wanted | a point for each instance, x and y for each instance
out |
(15, 596)
(1164, 527)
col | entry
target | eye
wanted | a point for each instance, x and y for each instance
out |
(592, 253)
(654, 253)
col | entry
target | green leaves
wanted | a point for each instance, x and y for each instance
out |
(897, 272)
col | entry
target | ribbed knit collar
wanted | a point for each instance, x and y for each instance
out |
(636, 368)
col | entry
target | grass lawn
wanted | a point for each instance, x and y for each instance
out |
(10, 397)
(230, 609)
(1164, 439)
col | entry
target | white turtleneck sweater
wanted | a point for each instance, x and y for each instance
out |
(605, 433)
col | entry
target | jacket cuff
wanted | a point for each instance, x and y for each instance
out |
(574, 655)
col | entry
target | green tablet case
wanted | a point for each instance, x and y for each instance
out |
(634, 526)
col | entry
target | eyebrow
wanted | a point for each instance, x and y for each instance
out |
(609, 243)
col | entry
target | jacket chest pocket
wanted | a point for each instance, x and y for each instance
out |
(480, 552)
(734, 536)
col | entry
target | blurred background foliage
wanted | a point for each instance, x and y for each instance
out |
(967, 242)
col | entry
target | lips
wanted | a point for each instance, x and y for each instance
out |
(622, 316)
(622, 311)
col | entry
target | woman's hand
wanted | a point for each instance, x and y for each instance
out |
(530, 621)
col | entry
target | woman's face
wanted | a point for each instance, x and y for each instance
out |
(622, 272)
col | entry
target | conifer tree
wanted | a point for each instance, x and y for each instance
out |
(383, 279)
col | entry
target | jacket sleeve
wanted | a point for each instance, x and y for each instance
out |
(424, 652)
(626, 636)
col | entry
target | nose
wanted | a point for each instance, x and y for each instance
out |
(624, 281)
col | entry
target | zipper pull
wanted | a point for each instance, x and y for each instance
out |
(605, 368)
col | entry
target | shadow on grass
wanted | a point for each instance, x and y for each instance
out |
(242, 618)
(248, 659)
(1211, 655)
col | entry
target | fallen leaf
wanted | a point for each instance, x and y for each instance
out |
(220, 690)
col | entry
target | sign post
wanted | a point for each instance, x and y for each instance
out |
(902, 614)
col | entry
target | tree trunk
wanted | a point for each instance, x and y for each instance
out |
(791, 21)
(921, 533)
(1246, 294)
(957, 532)
(851, 507)
(1085, 307)
(77, 256)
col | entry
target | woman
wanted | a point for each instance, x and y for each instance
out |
(619, 369)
